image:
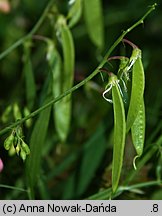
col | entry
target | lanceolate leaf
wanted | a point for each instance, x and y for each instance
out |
(119, 136)
(93, 15)
(138, 83)
(29, 76)
(94, 147)
(37, 141)
(138, 130)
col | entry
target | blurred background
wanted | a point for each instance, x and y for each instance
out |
(81, 166)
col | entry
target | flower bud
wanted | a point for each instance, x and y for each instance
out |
(8, 142)
(25, 148)
(18, 148)
(23, 155)
(1, 165)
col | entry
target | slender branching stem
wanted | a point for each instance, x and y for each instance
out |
(29, 35)
(74, 88)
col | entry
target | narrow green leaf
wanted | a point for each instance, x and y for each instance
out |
(101, 195)
(75, 13)
(93, 15)
(29, 76)
(138, 83)
(138, 130)
(94, 147)
(119, 136)
(37, 141)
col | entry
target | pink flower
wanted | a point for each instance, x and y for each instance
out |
(1, 165)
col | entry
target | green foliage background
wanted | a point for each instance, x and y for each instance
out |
(80, 167)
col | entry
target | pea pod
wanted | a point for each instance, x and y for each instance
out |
(138, 130)
(137, 91)
(65, 77)
(68, 56)
(55, 63)
(119, 134)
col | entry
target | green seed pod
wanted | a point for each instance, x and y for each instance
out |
(119, 129)
(138, 84)
(138, 131)
(8, 142)
(119, 135)
(62, 109)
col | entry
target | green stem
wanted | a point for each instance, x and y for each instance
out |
(139, 185)
(74, 88)
(13, 188)
(122, 189)
(107, 193)
(26, 37)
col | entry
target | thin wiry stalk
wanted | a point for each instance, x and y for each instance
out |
(29, 35)
(74, 88)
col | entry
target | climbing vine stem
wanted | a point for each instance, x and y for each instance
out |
(74, 88)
